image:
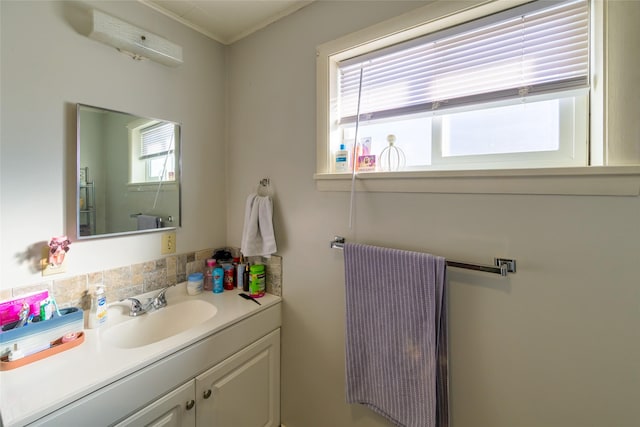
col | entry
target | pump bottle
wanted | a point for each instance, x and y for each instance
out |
(342, 160)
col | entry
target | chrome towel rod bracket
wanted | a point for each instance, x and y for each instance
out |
(502, 266)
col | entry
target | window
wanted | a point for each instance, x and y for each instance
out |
(157, 148)
(505, 90)
(152, 151)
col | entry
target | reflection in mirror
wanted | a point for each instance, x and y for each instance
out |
(128, 173)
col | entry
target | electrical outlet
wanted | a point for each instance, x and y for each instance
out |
(168, 243)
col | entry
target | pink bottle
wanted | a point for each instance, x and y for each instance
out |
(208, 275)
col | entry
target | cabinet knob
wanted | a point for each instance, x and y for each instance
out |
(191, 404)
(207, 394)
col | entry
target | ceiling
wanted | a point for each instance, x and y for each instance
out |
(226, 21)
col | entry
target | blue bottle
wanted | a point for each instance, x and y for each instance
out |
(218, 280)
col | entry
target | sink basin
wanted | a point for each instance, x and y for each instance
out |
(159, 324)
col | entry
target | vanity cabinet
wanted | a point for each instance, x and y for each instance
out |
(232, 377)
(243, 390)
(175, 409)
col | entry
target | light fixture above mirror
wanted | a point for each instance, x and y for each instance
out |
(133, 41)
(128, 173)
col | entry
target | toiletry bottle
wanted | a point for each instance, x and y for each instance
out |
(218, 279)
(257, 280)
(245, 278)
(46, 309)
(229, 276)
(240, 275)
(100, 306)
(236, 269)
(194, 283)
(342, 160)
(208, 275)
(86, 304)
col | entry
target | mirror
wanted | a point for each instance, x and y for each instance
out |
(128, 173)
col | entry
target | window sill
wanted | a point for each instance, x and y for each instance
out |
(582, 181)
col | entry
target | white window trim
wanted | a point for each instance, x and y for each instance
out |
(591, 180)
(134, 129)
(578, 181)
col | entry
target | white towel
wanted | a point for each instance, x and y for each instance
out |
(147, 222)
(258, 238)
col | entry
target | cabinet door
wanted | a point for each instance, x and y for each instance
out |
(174, 409)
(243, 390)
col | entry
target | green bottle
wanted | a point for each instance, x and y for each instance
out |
(256, 280)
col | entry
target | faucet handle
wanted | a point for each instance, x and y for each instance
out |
(136, 307)
(160, 300)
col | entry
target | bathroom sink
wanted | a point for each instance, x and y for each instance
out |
(157, 325)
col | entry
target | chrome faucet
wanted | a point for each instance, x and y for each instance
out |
(157, 302)
(136, 307)
(160, 300)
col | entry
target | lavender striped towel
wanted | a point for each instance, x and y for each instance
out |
(396, 344)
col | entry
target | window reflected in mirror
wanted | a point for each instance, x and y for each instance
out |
(152, 156)
(128, 173)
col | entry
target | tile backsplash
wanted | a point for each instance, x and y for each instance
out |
(130, 280)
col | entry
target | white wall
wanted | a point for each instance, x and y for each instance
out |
(47, 66)
(555, 345)
(622, 88)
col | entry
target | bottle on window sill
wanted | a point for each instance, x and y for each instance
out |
(342, 160)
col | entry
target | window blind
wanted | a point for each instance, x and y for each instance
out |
(539, 47)
(156, 140)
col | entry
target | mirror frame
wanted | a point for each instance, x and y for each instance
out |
(178, 176)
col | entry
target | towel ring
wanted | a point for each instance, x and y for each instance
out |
(264, 187)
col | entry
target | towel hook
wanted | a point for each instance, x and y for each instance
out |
(264, 187)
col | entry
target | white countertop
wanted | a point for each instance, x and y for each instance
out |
(32, 391)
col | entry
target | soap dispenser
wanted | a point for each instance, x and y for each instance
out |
(101, 306)
(98, 310)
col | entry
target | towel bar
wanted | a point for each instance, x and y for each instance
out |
(503, 266)
(135, 215)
